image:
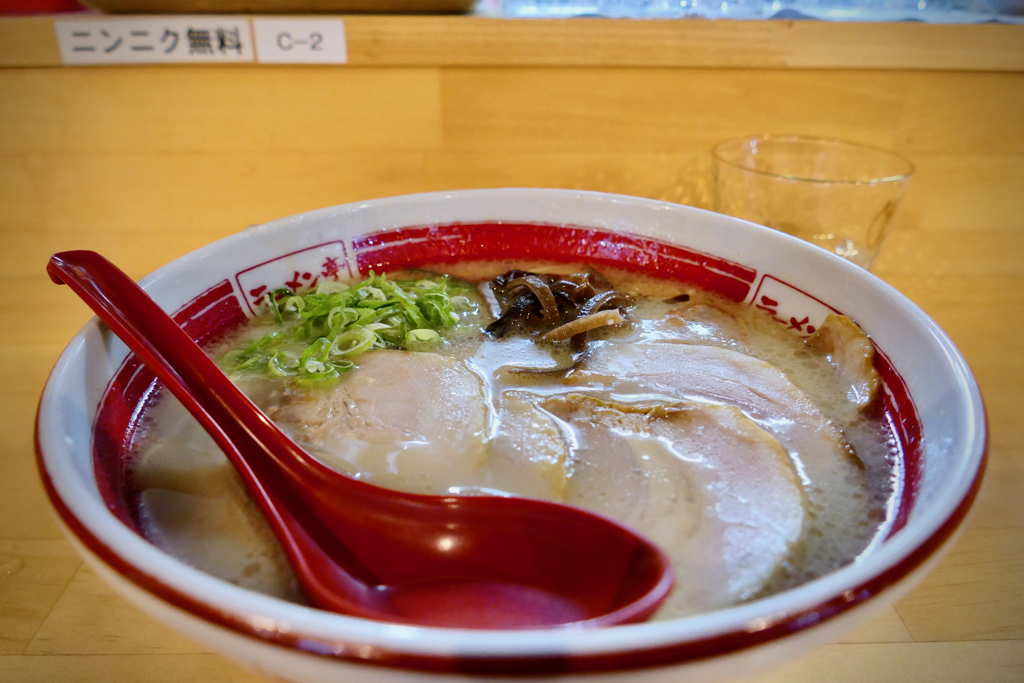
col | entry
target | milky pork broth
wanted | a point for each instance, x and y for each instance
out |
(756, 458)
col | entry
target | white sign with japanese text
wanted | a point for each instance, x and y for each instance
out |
(149, 40)
(300, 41)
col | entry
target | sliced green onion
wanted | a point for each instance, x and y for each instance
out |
(319, 333)
(330, 287)
(314, 357)
(276, 369)
(421, 336)
(353, 342)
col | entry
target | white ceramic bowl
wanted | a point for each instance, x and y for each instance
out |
(91, 400)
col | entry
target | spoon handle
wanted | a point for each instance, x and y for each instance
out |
(166, 349)
(247, 437)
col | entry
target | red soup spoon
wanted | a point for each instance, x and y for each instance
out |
(361, 550)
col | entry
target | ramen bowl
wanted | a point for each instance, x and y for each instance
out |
(96, 392)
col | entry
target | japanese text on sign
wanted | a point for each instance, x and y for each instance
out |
(155, 40)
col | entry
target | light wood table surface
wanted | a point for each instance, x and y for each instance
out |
(145, 164)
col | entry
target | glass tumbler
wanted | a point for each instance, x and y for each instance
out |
(838, 195)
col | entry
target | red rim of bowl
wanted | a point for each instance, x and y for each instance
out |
(697, 649)
(687, 651)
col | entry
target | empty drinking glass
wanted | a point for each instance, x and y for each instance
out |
(838, 195)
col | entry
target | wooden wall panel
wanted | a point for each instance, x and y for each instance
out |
(960, 113)
(962, 193)
(216, 109)
(661, 110)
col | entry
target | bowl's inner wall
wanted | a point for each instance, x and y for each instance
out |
(219, 310)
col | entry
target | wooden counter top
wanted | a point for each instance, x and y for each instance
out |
(145, 164)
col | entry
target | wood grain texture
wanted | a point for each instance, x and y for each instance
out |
(202, 110)
(678, 43)
(985, 568)
(994, 662)
(147, 164)
(33, 576)
(88, 619)
(380, 40)
(887, 627)
(28, 41)
(137, 668)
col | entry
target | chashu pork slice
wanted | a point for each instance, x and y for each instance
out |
(824, 459)
(529, 454)
(699, 323)
(413, 422)
(842, 346)
(708, 485)
(852, 356)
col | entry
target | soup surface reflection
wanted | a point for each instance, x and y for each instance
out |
(755, 457)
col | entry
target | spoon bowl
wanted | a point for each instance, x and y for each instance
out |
(358, 549)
